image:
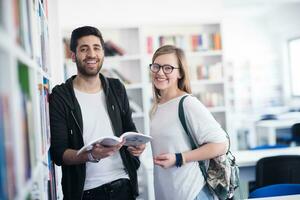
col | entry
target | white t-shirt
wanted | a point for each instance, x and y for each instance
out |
(96, 123)
(169, 136)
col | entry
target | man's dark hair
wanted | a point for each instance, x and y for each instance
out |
(84, 31)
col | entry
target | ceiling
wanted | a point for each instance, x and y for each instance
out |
(118, 13)
(137, 12)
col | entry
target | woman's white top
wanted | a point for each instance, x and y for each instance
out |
(169, 136)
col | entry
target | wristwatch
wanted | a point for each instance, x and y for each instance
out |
(92, 158)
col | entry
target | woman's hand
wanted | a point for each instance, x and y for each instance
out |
(165, 160)
(136, 150)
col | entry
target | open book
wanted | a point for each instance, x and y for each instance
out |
(131, 138)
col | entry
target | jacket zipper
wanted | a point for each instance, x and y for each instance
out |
(113, 110)
(76, 122)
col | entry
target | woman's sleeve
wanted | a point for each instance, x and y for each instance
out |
(201, 123)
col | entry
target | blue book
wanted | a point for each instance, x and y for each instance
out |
(3, 178)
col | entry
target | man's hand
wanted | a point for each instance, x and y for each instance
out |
(99, 151)
(165, 160)
(136, 150)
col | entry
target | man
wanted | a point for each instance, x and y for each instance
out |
(83, 109)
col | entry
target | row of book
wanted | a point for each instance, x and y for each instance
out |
(27, 133)
(209, 72)
(44, 186)
(190, 43)
(22, 147)
(210, 99)
(26, 168)
(30, 24)
(39, 143)
(1, 13)
(114, 73)
(7, 164)
(44, 114)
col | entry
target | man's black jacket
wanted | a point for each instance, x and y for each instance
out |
(66, 131)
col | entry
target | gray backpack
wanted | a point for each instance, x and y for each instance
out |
(222, 173)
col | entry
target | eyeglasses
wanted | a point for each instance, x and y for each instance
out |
(167, 69)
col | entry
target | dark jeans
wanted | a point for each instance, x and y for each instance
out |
(116, 190)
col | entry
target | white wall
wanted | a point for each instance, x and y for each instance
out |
(254, 35)
(286, 24)
(281, 23)
(110, 13)
(56, 48)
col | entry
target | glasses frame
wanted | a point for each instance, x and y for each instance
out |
(162, 67)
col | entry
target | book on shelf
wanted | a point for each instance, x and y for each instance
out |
(51, 179)
(131, 139)
(8, 167)
(210, 99)
(195, 43)
(1, 14)
(26, 116)
(43, 119)
(202, 72)
(46, 100)
(3, 166)
(114, 73)
(22, 25)
(112, 49)
(217, 41)
(149, 45)
(120, 76)
(153, 43)
(67, 50)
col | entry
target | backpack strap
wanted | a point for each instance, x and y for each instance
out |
(192, 142)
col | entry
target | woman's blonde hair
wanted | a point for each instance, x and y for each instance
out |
(183, 82)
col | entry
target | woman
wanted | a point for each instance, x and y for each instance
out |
(178, 177)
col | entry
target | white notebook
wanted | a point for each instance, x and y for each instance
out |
(131, 138)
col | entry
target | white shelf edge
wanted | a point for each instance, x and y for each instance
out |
(134, 86)
(23, 57)
(28, 185)
(205, 53)
(44, 13)
(216, 109)
(5, 44)
(137, 115)
(207, 82)
(123, 58)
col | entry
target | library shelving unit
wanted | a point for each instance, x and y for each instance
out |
(203, 48)
(26, 170)
(134, 49)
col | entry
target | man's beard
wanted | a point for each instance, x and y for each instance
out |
(88, 73)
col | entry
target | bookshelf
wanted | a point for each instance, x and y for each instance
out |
(26, 170)
(203, 47)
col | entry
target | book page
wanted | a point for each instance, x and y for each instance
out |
(135, 139)
(132, 139)
(105, 141)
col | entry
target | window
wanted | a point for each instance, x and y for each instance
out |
(294, 64)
